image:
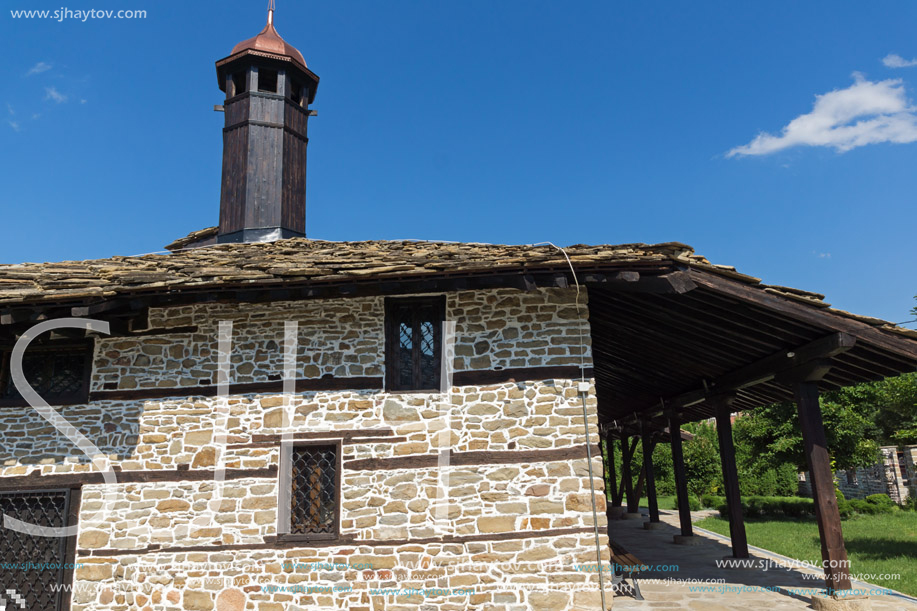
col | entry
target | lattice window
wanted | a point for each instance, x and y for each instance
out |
(314, 490)
(414, 343)
(59, 374)
(30, 581)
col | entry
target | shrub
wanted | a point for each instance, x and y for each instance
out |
(866, 507)
(844, 508)
(712, 501)
(772, 506)
(911, 503)
(880, 499)
(797, 507)
(694, 503)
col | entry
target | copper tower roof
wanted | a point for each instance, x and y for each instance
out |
(269, 41)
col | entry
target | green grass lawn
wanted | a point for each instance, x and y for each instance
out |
(666, 502)
(885, 543)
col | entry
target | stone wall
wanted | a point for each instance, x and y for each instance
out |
(343, 337)
(502, 526)
(886, 477)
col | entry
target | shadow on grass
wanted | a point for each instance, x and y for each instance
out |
(871, 548)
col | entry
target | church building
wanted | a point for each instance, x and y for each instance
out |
(260, 421)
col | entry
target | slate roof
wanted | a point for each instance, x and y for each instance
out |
(300, 260)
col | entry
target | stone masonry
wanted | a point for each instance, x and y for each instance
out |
(503, 526)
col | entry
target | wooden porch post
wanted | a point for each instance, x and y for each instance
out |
(730, 476)
(833, 552)
(681, 480)
(626, 474)
(641, 479)
(612, 471)
(648, 446)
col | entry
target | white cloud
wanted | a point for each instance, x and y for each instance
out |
(867, 112)
(38, 68)
(9, 107)
(14, 125)
(893, 60)
(51, 93)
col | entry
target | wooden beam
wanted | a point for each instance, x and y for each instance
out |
(766, 369)
(812, 371)
(99, 307)
(648, 447)
(485, 377)
(183, 473)
(674, 282)
(677, 282)
(833, 552)
(475, 457)
(11, 317)
(612, 278)
(552, 276)
(817, 317)
(730, 476)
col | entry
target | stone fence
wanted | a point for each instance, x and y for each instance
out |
(895, 476)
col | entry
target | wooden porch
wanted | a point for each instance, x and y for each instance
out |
(708, 346)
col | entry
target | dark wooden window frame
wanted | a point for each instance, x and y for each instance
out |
(73, 517)
(76, 398)
(392, 363)
(284, 516)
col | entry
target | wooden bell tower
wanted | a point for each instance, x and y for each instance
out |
(268, 91)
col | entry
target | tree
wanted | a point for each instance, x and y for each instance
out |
(702, 460)
(891, 405)
(858, 420)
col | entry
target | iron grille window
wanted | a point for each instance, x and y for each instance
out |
(314, 490)
(413, 343)
(38, 562)
(60, 374)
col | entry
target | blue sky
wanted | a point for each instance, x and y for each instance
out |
(510, 121)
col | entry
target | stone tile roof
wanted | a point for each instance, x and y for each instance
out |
(301, 260)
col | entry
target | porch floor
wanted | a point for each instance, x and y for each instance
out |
(740, 588)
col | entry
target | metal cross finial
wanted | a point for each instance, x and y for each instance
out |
(270, 12)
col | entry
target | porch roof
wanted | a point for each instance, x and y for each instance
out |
(663, 352)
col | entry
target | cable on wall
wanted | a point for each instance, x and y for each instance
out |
(583, 390)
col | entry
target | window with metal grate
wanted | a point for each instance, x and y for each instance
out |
(39, 565)
(313, 485)
(59, 373)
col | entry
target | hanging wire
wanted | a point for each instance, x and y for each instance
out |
(583, 394)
